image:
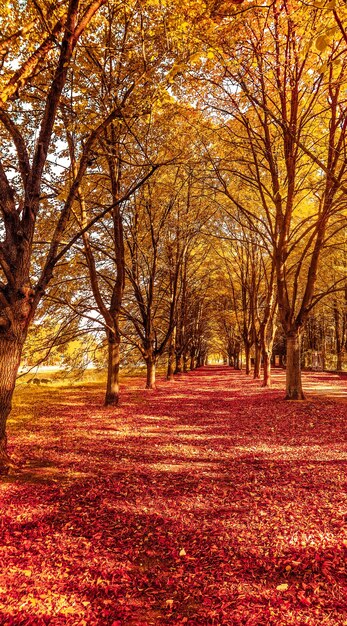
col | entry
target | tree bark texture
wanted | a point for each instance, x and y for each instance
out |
(266, 369)
(267, 336)
(257, 361)
(150, 378)
(293, 368)
(170, 370)
(112, 388)
(10, 354)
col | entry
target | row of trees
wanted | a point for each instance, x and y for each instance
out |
(165, 167)
(280, 99)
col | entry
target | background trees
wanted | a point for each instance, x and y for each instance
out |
(282, 118)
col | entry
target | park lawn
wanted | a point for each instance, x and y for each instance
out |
(206, 501)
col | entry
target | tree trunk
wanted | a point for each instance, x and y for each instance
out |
(10, 353)
(266, 369)
(171, 359)
(267, 340)
(192, 359)
(112, 389)
(293, 368)
(198, 360)
(178, 368)
(339, 363)
(248, 358)
(170, 368)
(257, 361)
(237, 360)
(150, 380)
(185, 362)
(338, 336)
(323, 352)
(170, 372)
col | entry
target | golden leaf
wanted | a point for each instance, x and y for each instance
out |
(322, 43)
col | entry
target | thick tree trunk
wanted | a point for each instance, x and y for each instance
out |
(112, 388)
(10, 354)
(266, 369)
(185, 362)
(150, 379)
(293, 368)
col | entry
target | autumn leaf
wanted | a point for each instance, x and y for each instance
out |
(282, 587)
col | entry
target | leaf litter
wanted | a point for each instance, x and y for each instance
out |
(207, 501)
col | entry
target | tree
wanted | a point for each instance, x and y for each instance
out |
(21, 194)
(150, 304)
(194, 304)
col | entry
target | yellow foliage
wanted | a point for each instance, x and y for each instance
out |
(322, 43)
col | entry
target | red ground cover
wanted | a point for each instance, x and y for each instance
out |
(207, 501)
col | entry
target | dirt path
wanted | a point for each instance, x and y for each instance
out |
(207, 501)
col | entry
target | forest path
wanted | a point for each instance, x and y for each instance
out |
(206, 501)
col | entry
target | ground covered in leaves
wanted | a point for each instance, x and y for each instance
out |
(207, 501)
